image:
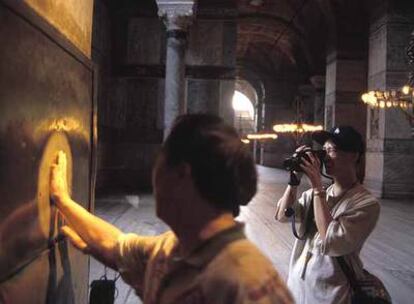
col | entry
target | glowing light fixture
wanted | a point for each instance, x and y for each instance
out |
(258, 137)
(296, 128)
(402, 98)
(261, 136)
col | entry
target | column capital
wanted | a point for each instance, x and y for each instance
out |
(176, 14)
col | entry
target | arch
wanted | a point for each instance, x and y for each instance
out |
(244, 110)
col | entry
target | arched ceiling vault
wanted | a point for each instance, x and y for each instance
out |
(272, 34)
(276, 34)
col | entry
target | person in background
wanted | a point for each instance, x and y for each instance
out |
(202, 176)
(335, 222)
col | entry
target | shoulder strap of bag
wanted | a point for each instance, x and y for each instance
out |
(308, 221)
(349, 273)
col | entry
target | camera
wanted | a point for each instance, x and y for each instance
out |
(293, 163)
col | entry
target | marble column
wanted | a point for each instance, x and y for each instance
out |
(177, 16)
(390, 145)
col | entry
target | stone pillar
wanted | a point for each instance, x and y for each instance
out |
(318, 82)
(346, 67)
(345, 80)
(177, 16)
(226, 97)
(390, 146)
(279, 107)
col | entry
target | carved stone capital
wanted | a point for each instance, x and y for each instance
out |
(176, 14)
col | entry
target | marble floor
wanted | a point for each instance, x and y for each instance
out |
(388, 253)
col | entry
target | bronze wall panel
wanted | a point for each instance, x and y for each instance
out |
(46, 104)
(73, 18)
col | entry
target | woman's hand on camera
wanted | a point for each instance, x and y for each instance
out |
(299, 174)
(311, 168)
(296, 176)
(298, 149)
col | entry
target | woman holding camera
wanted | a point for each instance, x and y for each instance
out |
(334, 222)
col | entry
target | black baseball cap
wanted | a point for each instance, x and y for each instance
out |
(346, 138)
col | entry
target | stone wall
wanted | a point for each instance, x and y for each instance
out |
(129, 52)
(211, 61)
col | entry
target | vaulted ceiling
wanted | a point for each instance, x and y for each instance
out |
(275, 38)
(278, 37)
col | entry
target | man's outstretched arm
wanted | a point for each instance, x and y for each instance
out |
(86, 231)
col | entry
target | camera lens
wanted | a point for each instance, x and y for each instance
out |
(293, 163)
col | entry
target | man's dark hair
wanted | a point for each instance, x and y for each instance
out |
(222, 167)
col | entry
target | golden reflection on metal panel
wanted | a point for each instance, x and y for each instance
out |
(67, 124)
(73, 18)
